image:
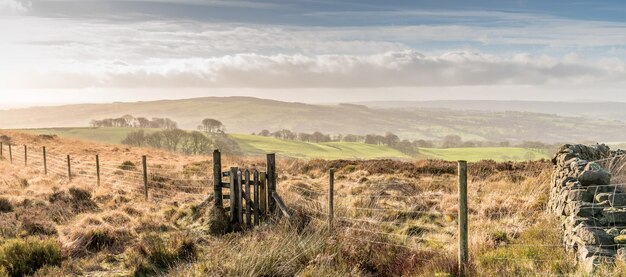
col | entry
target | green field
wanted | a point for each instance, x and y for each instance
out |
(253, 145)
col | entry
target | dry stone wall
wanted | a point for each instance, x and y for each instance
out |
(592, 210)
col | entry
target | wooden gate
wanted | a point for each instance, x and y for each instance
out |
(252, 194)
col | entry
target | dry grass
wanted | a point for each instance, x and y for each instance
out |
(393, 218)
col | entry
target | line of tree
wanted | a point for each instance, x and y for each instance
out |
(186, 142)
(129, 121)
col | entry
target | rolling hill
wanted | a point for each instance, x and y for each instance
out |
(246, 115)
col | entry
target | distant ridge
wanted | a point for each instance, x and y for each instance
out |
(411, 120)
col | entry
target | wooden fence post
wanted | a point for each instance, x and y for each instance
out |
(331, 196)
(1, 148)
(271, 182)
(257, 214)
(233, 195)
(463, 228)
(144, 159)
(98, 169)
(69, 168)
(217, 179)
(25, 155)
(10, 154)
(45, 161)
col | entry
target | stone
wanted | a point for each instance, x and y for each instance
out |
(622, 232)
(582, 209)
(587, 251)
(621, 254)
(618, 200)
(604, 196)
(594, 174)
(614, 232)
(579, 195)
(592, 236)
(614, 216)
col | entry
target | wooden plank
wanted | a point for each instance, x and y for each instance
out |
(271, 182)
(239, 197)
(233, 195)
(247, 195)
(225, 174)
(463, 238)
(226, 185)
(281, 204)
(225, 197)
(263, 194)
(257, 214)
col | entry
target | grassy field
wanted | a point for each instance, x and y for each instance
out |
(252, 145)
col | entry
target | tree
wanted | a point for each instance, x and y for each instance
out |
(451, 141)
(265, 133)
(406, 147)
(195, 143)
(211, 126)
(137, 138)
(424, 143)
(154, 140)
(143, 122)
(172, 137)
(391, 139)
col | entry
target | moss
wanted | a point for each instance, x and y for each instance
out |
(621, 239)
(25, 257)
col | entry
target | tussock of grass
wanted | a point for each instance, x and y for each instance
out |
(5, 205)
(85, 240)
(155, 255)
(128, 166)
(24, 257)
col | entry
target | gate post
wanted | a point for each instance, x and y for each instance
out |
(217, 179)
(271, 182)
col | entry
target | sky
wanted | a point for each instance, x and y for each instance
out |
(74, 51)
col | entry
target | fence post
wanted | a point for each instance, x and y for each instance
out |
(25, 155)
(331, 196)
(463, 238)
(217, 179)
(45, 161)
(1, 148)
(233, 195)
(10, 154)
(69, 168)
(145, 176)
(98, 169)
(271, 182)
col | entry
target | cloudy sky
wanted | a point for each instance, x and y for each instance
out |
(68, 51)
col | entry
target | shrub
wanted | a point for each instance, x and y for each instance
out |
(25, 257)
(128, 165)
(5, 205)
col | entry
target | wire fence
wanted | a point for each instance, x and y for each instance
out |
(359, 217)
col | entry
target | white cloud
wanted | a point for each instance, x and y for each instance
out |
(390, 69)
(13, 7)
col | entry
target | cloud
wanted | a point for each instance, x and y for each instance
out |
(13, 7)
(390, 69)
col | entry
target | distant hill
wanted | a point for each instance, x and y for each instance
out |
(603, 110)
(246, 115)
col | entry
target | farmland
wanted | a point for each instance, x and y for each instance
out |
(255, 145)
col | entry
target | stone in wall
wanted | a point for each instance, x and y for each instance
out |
(592, 211)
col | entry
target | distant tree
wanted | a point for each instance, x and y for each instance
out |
(172, 138)
(406, 147)
(143, 122)
(391, 139)
(136, 138)
(212, 126)
(423, 144)
(504, 144)
(265, 133)
(451, 141)
(304, 137)
(155, 140)
(226, 145)
(351, 138)
(468, 144)
(195, 143)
